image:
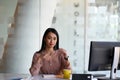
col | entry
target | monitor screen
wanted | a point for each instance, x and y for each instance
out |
(101, 55)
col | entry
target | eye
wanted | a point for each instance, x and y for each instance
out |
(49, 37)
(55, 38)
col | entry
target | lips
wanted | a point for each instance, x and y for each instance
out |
(51, 44)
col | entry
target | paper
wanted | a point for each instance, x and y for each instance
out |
(48, 76)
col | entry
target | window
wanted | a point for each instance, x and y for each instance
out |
(81, 21)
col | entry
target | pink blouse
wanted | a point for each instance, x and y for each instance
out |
(49, 64)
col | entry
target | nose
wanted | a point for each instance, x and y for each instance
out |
(51, 41)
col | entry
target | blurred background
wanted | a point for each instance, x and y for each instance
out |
(23, 22)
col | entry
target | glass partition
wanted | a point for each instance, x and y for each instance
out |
(82, 21)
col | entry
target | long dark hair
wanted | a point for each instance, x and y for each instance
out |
(45, 34)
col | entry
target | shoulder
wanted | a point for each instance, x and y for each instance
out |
(36, 54)
(62, 51)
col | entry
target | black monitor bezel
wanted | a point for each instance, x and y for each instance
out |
(103, 44)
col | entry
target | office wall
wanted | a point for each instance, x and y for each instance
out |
(7, 9)
(25, 40)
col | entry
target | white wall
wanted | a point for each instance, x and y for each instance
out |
(7, 10)
(25, 41)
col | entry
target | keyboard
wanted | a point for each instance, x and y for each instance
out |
(98, 75)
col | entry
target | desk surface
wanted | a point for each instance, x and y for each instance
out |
(11, 76)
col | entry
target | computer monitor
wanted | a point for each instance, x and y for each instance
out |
(104, 56)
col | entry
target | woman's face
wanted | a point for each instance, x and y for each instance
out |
(50, 40)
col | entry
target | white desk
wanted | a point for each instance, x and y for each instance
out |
(8, 76)
(11, 76)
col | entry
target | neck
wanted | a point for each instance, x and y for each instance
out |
(49, 50)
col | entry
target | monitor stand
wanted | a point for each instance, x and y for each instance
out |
(114, 66)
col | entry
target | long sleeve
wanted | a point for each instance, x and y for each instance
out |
(65, 64)
(36, 64)
(65, 61)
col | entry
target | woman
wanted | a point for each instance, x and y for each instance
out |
(50, 59)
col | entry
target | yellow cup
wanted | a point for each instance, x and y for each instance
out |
(66, 73)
